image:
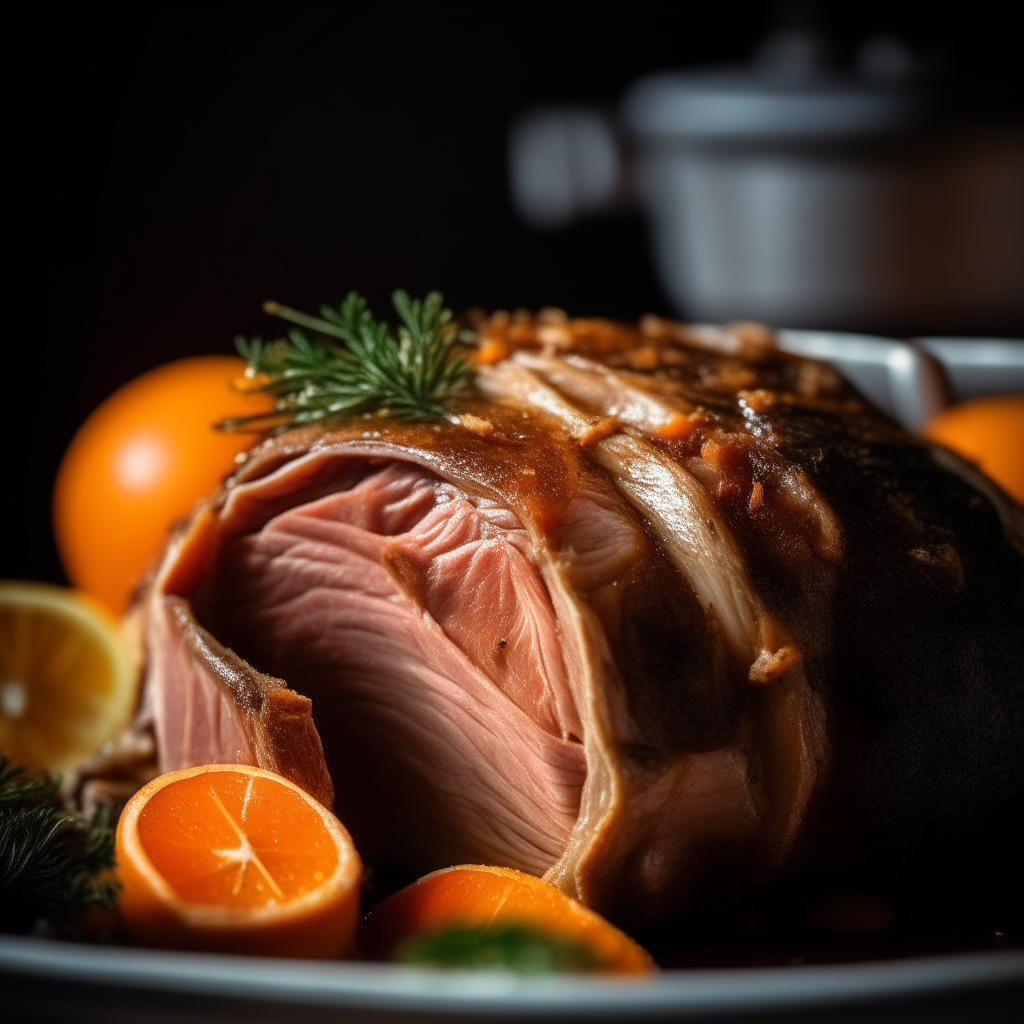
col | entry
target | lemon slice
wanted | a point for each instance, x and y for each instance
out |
(67, 682)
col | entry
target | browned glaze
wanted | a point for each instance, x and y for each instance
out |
(799, 660)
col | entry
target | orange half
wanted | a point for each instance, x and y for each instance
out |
(484, 896)
(236, 859)
(67, 683)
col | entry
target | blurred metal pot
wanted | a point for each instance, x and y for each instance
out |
(785, 194)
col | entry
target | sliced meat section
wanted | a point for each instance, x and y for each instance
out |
(662, 613)
(208, 706)
(413, 617)
(506, 662)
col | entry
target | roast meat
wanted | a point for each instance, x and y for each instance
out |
(662, 613)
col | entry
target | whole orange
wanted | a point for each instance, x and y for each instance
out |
(139, 463)
(989, 432)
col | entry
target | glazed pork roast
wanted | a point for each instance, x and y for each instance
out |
(663, 614)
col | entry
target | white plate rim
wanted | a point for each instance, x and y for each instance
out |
(404, 989)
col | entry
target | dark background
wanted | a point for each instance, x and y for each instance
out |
(169, 167)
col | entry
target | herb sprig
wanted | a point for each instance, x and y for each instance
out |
(52, 863)
(510, 948)
(313, 378)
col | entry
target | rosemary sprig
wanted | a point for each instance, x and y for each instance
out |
(353, 363)
(52, 863)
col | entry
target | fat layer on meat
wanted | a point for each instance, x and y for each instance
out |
(662, 614)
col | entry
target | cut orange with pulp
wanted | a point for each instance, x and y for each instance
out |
(478, 896)
(236, 859)
(67, 682)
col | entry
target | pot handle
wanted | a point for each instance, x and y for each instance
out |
(564, 163)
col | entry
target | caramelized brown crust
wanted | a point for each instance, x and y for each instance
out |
(804, 660)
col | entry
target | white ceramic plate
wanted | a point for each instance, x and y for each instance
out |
(60, 980)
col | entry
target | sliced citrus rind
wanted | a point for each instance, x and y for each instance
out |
(319, 922)
(67, 681)
(487, 896)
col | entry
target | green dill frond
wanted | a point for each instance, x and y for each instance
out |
(352, 363)
(52, 863)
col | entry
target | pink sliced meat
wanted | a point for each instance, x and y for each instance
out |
(667, 616)
(418, 605)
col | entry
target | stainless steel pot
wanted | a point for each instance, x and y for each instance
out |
(798, 199)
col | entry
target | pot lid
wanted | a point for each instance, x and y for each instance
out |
(792, 91)
(738, 104)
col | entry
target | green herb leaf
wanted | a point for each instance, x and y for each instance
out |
(353, 363)
(510, 948)
(51, 861)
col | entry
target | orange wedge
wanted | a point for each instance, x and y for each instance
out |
(67, 682)
(236, 859)
(476, 896)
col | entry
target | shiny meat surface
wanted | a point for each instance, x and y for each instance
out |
(754, 633)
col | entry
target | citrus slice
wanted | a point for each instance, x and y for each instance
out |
(236, 859)
(66, 679)
(476, 905)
